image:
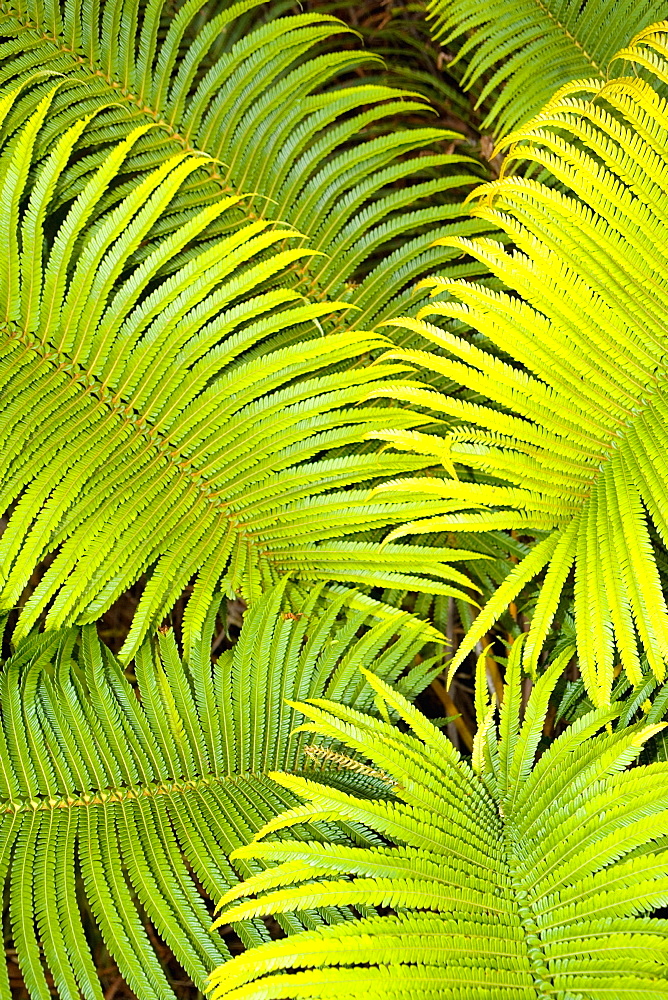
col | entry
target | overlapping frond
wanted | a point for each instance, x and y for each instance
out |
(507, 877)
(268, 109)
(179, 423)
(571, 446)
(520, 52)
(130, 805)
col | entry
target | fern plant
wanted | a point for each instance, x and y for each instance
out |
(161, 421)
(274, 120)
(569, 444)
(186, 402)
(128, 808)
(518, 53)
(505, 876)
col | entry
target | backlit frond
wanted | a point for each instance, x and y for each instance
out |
(142, 428)
(519, 879)
(573, 446)
(520, 52)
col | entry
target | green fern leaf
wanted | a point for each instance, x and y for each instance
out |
(277, 127)
(528, 879)
(573, 443)
(141, 430)
(518, 53)
(132, 804)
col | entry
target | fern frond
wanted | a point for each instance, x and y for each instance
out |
(573, 438)
(267, 108)
(520, 52)
(145, 796)
(517, 907)
(141, 430)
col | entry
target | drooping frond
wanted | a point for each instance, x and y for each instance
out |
(520, 52)
(182, 423)
(572, 447)
(128, 806)
(514, 878)
(273, 119)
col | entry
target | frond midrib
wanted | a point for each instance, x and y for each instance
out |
(570, 36)
(534, 946)
(154, 440)
(595, 463)
(47, 802)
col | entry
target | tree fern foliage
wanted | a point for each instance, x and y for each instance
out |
(180, 422)
(518, 53)
(127, 807)
(267, 106)
(213, 216)
(570, 447)
(505, 875)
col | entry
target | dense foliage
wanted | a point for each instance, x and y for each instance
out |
(319, 401)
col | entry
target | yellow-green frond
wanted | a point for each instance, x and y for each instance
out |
(545, 888)
(572, 439)
(164, 422)
(516, 54)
